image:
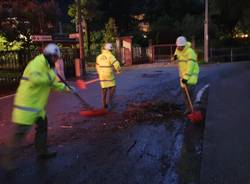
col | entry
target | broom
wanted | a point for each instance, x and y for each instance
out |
(193, 116)
(89, 111)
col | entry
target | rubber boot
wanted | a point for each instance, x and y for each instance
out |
(41, 140)
(111, 98)
(104, 98)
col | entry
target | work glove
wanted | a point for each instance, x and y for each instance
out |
(174, 58)
(184, 81)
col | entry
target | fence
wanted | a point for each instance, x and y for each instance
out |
(164, 52)
(229, 54)
(154, 53)
(68, 57)
(12, 64)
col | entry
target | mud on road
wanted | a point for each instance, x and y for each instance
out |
(148, 142)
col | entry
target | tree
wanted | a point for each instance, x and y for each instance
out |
(229, 14)
(191, 26)
(110, 33)
(5, 45)
(169, 19)
(96, 42)
(88, 11)
(107, 35)
(22, 18)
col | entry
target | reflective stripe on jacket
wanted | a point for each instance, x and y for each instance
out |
(188, 66)
(33, 91)
(105, 62)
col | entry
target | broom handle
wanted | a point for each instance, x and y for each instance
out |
(188, 97)
(76, 94)
(84, 103)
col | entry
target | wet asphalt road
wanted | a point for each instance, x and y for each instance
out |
(114, 149)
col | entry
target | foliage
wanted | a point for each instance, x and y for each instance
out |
(230, 17)
(5, 45)
(88, 11)
(3, 42)
(93, 40)
(22, 18)
(191, 26)
(98, 38)
(108, 19)
(163, 30)
(110, 33)
(97, 42)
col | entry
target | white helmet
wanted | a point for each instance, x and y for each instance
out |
(181, 41)
(52, 49)
(108, 46)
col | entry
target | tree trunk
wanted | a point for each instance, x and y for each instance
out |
(87, 36)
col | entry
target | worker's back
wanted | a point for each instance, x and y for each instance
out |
(105, 62)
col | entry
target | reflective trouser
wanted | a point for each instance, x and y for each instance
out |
(191, 90)
(20, 131)
(109, 102)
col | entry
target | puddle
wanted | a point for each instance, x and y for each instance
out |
(155, 75)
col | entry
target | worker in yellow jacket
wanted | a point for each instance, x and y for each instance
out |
(38, 79)
(105, 62)
(188, 67)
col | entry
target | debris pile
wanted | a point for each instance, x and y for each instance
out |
(149, 111)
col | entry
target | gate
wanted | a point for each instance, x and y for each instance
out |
(162, 52)
(141, 55)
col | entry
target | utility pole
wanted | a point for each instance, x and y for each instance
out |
(81, 39)
(206, 32)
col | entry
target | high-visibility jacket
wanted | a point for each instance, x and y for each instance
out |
(33, 91)
(105, 62)
(188, 66)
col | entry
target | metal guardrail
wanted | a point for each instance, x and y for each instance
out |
(229, 54)
(164, 52)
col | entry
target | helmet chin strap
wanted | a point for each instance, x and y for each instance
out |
(50, 60)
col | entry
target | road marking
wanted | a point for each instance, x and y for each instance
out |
(200, 93)
(9, 96)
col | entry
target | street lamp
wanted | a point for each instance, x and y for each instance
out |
(206, 32)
